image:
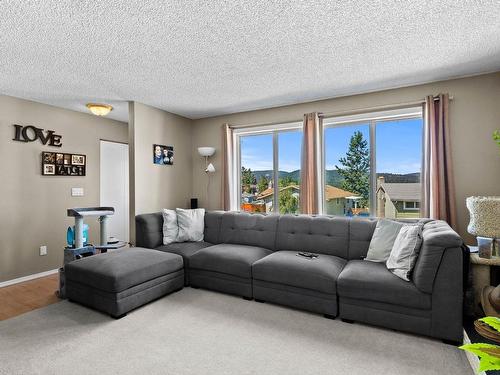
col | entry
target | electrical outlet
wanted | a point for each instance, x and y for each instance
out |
(43, 250)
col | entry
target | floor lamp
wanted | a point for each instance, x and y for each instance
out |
(206, 152)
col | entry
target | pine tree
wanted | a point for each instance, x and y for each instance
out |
(248, 180)
(263, 184)
(288, 204)
(286, 181)
(355, 168)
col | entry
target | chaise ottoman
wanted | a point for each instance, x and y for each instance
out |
(120, 281)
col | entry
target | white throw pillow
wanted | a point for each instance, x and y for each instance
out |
(191, 224)
(170, 227)
(382, 240)
(405, 251)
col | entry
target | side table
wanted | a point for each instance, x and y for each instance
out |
(481, 275)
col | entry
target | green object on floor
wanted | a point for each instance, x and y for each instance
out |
(489, 354)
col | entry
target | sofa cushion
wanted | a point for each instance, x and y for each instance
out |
(149, 230)
(122, 269)
(212, 226)
(184, 249)
(437, 236)
(231, 259)
(249, 229)
(285, 267)
(364, 280)
(360, 234)
(317, 234)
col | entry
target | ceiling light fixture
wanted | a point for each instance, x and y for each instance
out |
(99, 109)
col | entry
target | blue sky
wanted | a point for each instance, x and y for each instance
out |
(399, 147)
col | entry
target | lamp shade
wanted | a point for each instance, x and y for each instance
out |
(484, 216)
(210, 168)
(206, 151)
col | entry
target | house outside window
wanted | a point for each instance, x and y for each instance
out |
(376, 158)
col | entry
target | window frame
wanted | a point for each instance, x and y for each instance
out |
(272, 129)
(370, 119)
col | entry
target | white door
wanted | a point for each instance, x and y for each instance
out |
(114, 187)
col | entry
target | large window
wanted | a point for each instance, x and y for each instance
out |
(372, 164)
(269, 168)
(347, 172)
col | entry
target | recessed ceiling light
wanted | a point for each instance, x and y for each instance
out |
(99, 109)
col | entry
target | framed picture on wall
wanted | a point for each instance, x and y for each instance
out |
(49, 169)
(163, 155)
(77, 159)
(67, 159)
(62, 164)
(49, 158)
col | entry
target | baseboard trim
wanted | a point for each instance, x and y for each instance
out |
(27, 278)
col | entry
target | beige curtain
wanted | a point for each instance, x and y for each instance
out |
(438, 188)
(309, 177)
(227, 167)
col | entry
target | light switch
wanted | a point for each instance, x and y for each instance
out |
(43, 250)
(77, 192)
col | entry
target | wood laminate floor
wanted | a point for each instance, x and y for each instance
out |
(30, 295)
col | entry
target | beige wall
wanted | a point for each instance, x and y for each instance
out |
(154, 187)
(33, 207)
(474, 114)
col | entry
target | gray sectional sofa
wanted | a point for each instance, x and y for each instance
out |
(255, 256)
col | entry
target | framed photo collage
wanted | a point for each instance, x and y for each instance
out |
(62, 164)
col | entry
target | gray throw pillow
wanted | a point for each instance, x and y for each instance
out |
(191, 224)
(405, 251)
(382, 240)
(170, 227)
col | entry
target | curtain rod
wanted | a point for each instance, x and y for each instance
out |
(257, 124)
(340, 113)
(377, 108)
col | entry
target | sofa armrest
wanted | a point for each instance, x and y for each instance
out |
(439, 233)
(437, 236)
(149, 230)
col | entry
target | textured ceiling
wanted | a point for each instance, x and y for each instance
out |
(205, 58)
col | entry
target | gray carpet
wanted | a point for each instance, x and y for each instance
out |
(201, 332)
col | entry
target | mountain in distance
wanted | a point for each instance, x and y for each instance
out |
(294, 175)
(333, 177)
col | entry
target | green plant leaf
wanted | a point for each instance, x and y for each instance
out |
(492, 322)
(488, 365)
(483, 350)
(489, 355)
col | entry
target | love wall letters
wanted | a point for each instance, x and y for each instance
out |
(31, 133)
